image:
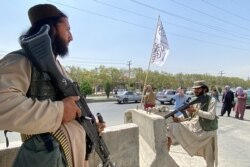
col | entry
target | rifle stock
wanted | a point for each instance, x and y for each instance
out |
(182, 108)
(39, 51)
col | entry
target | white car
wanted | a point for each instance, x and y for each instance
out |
(128, 96)
(190, 94)
(166, 96)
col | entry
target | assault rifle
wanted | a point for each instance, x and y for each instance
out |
(39, 50)
(182, 108)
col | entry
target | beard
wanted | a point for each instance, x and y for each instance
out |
(197, 94)
(60, 46)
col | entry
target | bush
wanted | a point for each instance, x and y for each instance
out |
(107, 88)
(85, 88)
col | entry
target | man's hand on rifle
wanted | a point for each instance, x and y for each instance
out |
(100, 123)
(71, 110)
(101, 126)
(176, 119)
(191, 109)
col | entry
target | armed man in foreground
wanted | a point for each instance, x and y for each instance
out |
(197, 134)
(33, 105)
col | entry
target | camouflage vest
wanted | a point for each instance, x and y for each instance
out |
(207, 124)
(42, 88)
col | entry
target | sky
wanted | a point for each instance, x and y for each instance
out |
(205, 36)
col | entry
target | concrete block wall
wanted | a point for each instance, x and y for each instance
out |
(141, 142)
(121, 140)
(8, 155)
(123, 143)
(153, 141)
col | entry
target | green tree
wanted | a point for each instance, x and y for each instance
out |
(107, 88)
(119, 78)
(85, 88)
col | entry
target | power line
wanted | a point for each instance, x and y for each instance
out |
(239, 4)
(88, 59)
(66, 63)
(98, 14)
(180, 26)
(216, 18)
(192, 21)
(92, 62)
(2, 54)
(137, 25)
(207, 33)
(125, 10)
(226, 11)
(70, 60)
(85, 62)
(213, 43)
(242, 36)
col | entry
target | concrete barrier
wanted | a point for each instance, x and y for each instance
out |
(152, 130)
(122, 142)
(141, 142)
(7, 155)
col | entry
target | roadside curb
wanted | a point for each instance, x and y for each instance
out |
(93, 100)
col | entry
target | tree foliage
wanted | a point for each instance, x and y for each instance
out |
(107, 88)
(85, 88)
(121, 78)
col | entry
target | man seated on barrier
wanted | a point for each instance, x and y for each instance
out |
(197, 134)
(149, 98)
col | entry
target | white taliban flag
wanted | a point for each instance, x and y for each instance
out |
(160, 49)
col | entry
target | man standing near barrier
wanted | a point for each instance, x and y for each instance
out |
(180, 98)
(32, 105)
(197, 134)
(227, 100)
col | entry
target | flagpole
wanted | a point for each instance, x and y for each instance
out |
(144, 85)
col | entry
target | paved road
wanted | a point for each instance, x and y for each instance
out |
(233, 136)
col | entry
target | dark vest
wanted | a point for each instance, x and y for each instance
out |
(41, 85)
(42, 88)
(207, 124)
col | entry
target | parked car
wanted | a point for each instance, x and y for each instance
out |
(190, 94)
(248, 98)
(128, 96)
(166, 96)
(118, 91)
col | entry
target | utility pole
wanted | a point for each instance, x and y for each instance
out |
(129, 64)
(221, 73)
(96, 72)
